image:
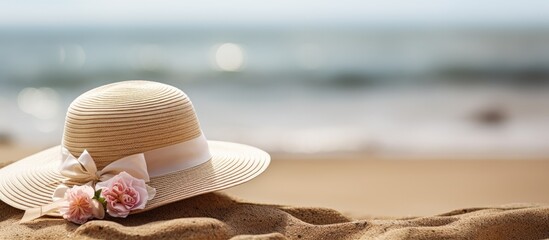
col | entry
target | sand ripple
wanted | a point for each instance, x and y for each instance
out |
(218, 216)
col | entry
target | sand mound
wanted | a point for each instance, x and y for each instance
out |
(217, 216)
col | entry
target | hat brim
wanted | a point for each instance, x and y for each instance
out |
(30, 182)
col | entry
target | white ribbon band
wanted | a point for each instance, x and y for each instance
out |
(157, 162)
(177, 157)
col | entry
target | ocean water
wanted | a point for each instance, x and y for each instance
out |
(381, 92)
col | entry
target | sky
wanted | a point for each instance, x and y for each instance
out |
(279, 12)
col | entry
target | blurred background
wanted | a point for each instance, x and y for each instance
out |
(404, 78)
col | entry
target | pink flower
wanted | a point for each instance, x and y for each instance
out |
(80, 205)
(124, 193)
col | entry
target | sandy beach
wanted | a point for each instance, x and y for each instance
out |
(316, 120)
(336, 197)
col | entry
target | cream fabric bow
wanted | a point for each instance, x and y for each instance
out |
(83, 171)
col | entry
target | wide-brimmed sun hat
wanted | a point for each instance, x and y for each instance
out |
(147, 129)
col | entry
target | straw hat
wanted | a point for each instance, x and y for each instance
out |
(122, 119)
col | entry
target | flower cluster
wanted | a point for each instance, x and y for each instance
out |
(119, 195)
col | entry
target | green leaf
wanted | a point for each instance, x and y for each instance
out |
(97, 194)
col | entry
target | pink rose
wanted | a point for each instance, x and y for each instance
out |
(80, 205)
(124, 193)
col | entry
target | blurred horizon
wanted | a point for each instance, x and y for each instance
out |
(429, 78)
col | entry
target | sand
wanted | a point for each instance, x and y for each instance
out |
(360, 186)
(477, 189)
(217, 216)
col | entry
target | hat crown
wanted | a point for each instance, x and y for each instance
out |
(126, 118)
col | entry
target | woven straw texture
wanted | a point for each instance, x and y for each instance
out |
(119, 120)
(125, 118)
